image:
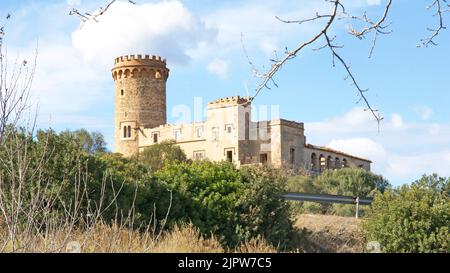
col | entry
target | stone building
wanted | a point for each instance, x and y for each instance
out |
(228, 133)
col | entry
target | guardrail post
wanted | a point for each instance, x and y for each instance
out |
(357, 207)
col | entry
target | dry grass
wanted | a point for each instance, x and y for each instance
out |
(332, 233)
(112, 239)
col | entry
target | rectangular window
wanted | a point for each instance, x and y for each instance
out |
(177, 134)
(199, 132)
(229, 128)
(155, 137)
(247, 126)
(263, 158)
(199, 155)
(215, 134)
(230, 156)
(292, 156)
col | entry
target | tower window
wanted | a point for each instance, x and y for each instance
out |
(124, 131)
(129, 132)
(121, 92)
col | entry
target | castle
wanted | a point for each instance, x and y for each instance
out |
(227, 134)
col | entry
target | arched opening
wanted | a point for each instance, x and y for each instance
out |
(124, 131)
(135, 73)
(314, 165)
(330, 162)
(344, 163)
(337, 163)
(122, 92)
(127, 73)
(322, 162)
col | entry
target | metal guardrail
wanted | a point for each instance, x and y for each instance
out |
(326, 198)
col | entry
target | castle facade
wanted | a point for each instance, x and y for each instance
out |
(228, 133)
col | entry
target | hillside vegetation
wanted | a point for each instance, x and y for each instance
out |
(59, 187)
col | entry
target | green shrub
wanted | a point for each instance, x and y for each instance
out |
(412, 218)
(263, 211)
(235, 204)
(155, 156)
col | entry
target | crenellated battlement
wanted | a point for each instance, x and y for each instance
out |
(146, 59)
(235, 100)
(137, 66)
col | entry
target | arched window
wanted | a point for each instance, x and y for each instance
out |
(129, 131)
(314, 164)
(121, 92)
(344, 163)
(337, 163)
(124, 131)
(329, 163)
(322, 162)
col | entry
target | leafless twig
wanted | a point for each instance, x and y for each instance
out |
(441, 7)
(338, 9)
(88, 16)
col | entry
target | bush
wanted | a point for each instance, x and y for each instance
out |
(412, 218)
(204, 193)
(348, 182)
(236, 205)
(263, 210)
(69, 173)
(155, 156)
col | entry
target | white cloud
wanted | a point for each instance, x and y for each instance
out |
(219, 67)
(397, 121)
(400, 151)
(167, 28)
(373, 2)
(363, 147)
(255, 22)
(73, 2)
(425, 112)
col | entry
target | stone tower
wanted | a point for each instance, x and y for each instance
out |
(140, 99)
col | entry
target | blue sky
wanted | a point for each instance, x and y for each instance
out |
(202, 41)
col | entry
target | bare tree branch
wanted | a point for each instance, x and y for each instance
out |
(441, 7)
(337, 9)
(87, 16)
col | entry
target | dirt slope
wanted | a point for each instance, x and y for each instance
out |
(332, 233)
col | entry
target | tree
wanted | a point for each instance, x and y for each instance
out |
(91, 142)
(155, 156)
(412, 218)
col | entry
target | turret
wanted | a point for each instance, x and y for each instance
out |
(140, 98)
